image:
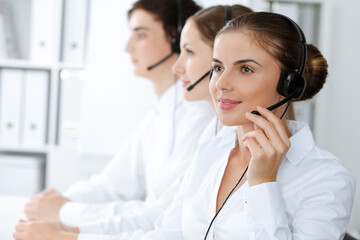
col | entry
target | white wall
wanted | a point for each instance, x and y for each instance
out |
(112, 107)
(338, 109)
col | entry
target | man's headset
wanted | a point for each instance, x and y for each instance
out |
(227, 19)
(175, 41)
(291, 85)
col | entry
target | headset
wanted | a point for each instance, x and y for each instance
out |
(291, 85)
(175, 41)
(227, 19)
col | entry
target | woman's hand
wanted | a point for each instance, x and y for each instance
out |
(35, 230)
(45, 206)
(268, 144)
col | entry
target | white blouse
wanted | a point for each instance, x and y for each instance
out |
(311, 199)
(148, 163)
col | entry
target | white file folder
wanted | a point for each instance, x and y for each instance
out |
(42, 32)
(35, 107)
(10, 105)
(75, 24)
(71, 89)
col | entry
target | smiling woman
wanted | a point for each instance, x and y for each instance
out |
(251, 55)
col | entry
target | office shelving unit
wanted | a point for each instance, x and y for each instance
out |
(49, 36)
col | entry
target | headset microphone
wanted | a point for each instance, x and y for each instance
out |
(160, 62)
(198, 81)
(175, 41)
(282, 102)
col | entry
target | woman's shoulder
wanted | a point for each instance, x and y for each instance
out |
(309, 166)
(327, 166)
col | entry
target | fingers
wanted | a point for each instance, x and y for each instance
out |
(277, 123)
(261, 140)
(19, 236)
(30, 210)
(20, 227)
(272, 128)
(253, 147)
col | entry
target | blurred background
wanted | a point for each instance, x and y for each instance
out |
(68, 98)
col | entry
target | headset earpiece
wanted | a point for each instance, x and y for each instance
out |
(175, 41)
(291, 82)
(175, 45)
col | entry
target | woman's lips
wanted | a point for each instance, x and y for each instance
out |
(185, 83)
(227, 104)
(133, 60)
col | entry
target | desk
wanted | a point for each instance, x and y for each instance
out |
(11, 210)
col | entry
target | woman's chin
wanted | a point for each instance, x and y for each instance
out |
(232, 121)
(190, 97)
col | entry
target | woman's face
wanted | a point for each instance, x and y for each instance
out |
(194, 61)
(245, 76)
(148, 42)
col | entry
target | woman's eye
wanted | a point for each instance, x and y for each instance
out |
(217, 68)
(189, 52)
(246, 70)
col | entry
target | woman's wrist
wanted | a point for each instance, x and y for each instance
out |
(69, 236)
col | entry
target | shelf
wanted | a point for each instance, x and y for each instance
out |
(24, 149)
(63, 65)
(25, 64)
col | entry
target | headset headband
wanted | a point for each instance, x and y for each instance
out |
(180, 17)
(227, 14)
(302, 38)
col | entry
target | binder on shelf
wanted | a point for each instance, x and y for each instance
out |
(11, 81)
(75, 24)
(36, 83)
(7, 41)
(71, 94)
(3, 45)
(42, 33)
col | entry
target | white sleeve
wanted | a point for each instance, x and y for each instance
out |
(323, 212)
(143, 218)
(139, 234)
(112, 184)
(167, 225)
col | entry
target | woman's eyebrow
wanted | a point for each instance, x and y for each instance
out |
(216, 60)
(245, 61)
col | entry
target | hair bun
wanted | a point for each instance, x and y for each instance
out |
(316, 71)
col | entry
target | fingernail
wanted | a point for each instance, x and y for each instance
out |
(247, 114)
(260, 108)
